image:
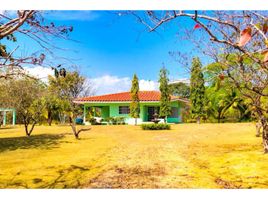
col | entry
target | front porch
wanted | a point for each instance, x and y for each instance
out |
(112, 111)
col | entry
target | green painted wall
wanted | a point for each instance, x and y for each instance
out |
(175, 120)
(105, 112)
(112, 110)
(144, 113)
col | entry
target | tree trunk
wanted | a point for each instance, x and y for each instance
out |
(75, 132)
(27, 131)
(135, 121)
(198, 120)
(26, 122)
(73, 125)
(1, 119)
(258, 129)
(265, 135)
(219, 118)
(263, 120)
(49, 118)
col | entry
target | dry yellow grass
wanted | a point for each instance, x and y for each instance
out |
(188, 156)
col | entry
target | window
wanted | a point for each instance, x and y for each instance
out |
(124, 110)
(174, 112)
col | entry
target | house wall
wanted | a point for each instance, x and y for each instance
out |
(178, 119)
(144, 113)
(105, 112)
(112, 110)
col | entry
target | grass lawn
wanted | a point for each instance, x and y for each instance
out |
(187, 156)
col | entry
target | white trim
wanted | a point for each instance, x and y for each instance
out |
(83, 102)
(7, 109)
(182, 100)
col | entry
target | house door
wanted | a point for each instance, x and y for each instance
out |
(151, 112)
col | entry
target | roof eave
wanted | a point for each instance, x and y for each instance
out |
(83, 102)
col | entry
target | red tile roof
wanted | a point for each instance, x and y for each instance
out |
(124, 96)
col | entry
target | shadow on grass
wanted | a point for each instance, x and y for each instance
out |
(6, 127)
(64, 179)
(61, 180)
(42, 141)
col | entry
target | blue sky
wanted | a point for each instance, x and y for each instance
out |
(120, 46)
(116, 46)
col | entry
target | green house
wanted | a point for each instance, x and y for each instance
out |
(117, 105)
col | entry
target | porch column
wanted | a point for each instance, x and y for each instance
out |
(180, 114)
(84, 117)
(94, 111)
(5, 118)
(141, 116)
(14, 118)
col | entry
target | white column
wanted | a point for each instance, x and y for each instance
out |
(5, 118)
(84, 117)
(14, 118)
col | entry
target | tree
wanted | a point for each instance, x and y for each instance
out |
(165, 108)
(32, 24)
(68, 89)
(3, 102)
(135, 104)
(180, 89)
(241, 34)
(220, 100)
(53, 105)
(26, 96)
(197, 91)
(224, 100)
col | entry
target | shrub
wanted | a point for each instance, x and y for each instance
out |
(116, 120)
(155, 127)
(120, 120)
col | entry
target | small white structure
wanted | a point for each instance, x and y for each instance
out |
(98, 119)
(4, 111)
(132, 121)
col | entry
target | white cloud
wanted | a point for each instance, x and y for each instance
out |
(182, 80)
(106, 84)
(39, 72)
(112, 84)
(148, 85)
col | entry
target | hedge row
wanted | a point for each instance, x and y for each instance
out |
(155, 126)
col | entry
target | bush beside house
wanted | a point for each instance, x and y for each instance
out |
(155, 126)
